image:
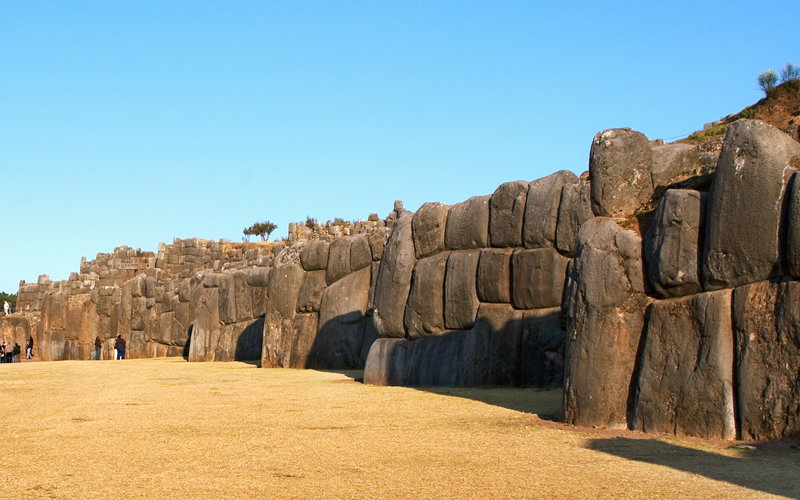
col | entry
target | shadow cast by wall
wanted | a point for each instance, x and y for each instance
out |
(763, 469)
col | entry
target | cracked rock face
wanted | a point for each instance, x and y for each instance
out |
(620, 166)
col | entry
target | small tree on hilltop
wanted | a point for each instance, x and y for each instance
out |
(767, 81)
(262, 229)
(790, 72)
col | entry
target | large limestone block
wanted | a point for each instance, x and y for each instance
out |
(227, 299)
(435, 361)
(766, 316)
(460, 289)
(673, 243)
(240, 341)
(54, 311)
(494, 275)
(468, 224)
(428, 227)
(538, 278)
(305, 328)
(506, 214)
(542, 357)
(310, 296)
(425, 308)
(377, 237)
(338, 260)
(394, 279)
(342, 316)
(604, 307)
(285, 281)
(360, 253)
(676, 162)
(243, 297)
(205, 327)
(490, 353)
(746, 204)
(258, 277)
(314, 255)
(620, 163)
(541, 209)
(386, 362)
(685, 381)
(574, 209)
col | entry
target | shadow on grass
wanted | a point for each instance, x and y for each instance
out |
(545, 404)
(762, 469)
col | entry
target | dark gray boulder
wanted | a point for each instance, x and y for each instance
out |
(360, 253)
(205, 327)
(673, 243)
(685, 384)
(394, 280)
(620, 168)
(490, 353)
(574, 209)
(314, 255)
(338, 260)
(542, 355)
(604, 307)
(310, 295)
(386, 362)
(305, 333)
(746, 205)
(428, 226)
(538, 278)
(793, 229)
(506, 214)
(285, 282)
(766, 316)
(541, 209)
(377, 237)
(460, 292)
(494, 275)
(435, 361)
(468, 224)
(674, 164)
(425, 308)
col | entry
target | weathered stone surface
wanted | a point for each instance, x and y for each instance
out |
(305, 333)
(685, 381)
(494, 275)
(428, 227)
(506, 213)
(256, 277)
(766, 319)
(314, 255)
(574, 209)
(338, 260)
(386, 362)
(394, 280)
(425, 308)
(360, 253)
(468, 224)
(673, 243)
(377, 238)
(342, 316)
(205, 327)
(793, 229)
(746, 205)
(285, 281)
(620, 168)
(460, 291)
(538, 278)
(541, 209)
(604, 307)
(243, 297)
(435, 361)
(310, 296)
(674, 163)
(542, 358)
(490, 353)
(240, 341)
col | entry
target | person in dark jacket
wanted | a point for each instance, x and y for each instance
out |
(97, 346)
(119, 345)
(16, 352)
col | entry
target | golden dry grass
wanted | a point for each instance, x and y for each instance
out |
(171, 429)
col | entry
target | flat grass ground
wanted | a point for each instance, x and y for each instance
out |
(166, 428)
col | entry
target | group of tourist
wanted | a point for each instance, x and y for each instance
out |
(10, 353)
(119, 347)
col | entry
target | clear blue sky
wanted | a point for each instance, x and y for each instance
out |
(134, 122)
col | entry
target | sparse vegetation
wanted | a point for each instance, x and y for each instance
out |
(310, 222)
(790, 72)
(710, 132)
(748, 114)
(262, 229)
(767, 81)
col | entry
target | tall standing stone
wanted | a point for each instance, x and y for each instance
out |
(506, 214)
(460, 293)
(620, 168)
(468, 224)
(425, 309)
(428, 226)
(394, 279)
(541, 209)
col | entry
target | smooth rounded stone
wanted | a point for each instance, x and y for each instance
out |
(490, 353)
(394, 280)
(538, 278)
(746, 205)
(574, 209)
(243, 298)
(460, 290)
(285, 281)
(342, 318)
(360, 253)
(425, 308)
(604, 307)
(428, 228)
(541, 209)
(494, 275)
(386, 362)
(685, 383)
(305, 333)
(620, 168)
(205, 327)
(542, 356)
(468, 224)
(676, 163)
(506, 213)
(377, 237)
(338, 260)
(793, 229)
(767, 353)
(673, 243)
(434, 361)
(310, 296)
(314, 255)
(258, 276)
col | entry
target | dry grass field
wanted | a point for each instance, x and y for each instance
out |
(171, 429)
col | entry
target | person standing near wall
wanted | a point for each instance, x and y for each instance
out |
(29, 348)
(119, 345)
(97, 346)
(9, 350)
(17, 350)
